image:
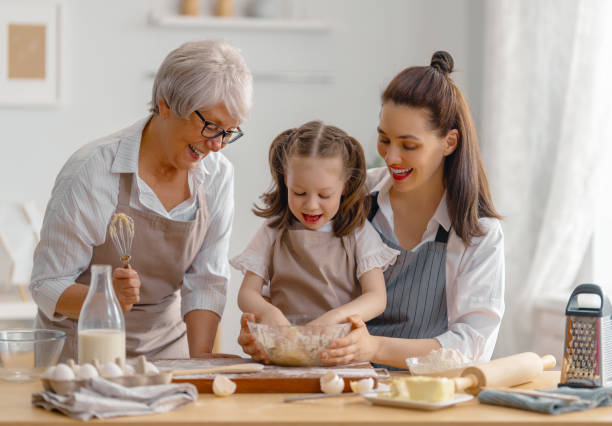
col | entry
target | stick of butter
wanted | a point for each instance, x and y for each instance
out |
(422, 388)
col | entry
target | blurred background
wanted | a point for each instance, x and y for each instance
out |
(533, 72)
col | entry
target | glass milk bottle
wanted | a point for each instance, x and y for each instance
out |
(101, 331)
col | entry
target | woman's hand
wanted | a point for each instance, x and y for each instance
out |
(246, 339)
(357, 346)
(127, 287)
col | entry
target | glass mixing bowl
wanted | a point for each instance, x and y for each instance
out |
(297, 345)
(25, 354)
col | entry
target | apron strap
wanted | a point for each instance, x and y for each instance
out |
(442, 235)
(373, 205)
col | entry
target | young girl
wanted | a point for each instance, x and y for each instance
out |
(316, 250)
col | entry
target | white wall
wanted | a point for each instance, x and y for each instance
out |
(110, 50)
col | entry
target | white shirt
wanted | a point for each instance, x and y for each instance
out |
(85, 197)
(474, 275)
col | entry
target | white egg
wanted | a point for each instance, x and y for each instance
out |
(222, 386)
(362, 386)
(128, 369)
(48, 374)
(331, 383)
(86, 371)
(151, 369)
(63, 372)
(110, 369)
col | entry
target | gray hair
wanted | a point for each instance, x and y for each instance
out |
(202, 74)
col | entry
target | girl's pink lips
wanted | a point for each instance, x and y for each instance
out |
(311, 218)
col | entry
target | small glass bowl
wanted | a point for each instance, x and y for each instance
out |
(26, 353)
(297, 345)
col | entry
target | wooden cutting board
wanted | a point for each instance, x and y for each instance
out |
(272, 379)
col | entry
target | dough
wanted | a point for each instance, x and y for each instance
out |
(222, 386)
(331, 383)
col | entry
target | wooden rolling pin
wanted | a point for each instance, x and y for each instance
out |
(503, 372)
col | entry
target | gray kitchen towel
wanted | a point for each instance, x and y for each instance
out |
(590, 398)
(101, 398)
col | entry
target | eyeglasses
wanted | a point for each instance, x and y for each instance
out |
(213, 130)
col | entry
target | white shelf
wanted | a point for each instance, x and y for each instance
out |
(264, 24)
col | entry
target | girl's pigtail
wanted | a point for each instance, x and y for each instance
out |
(275, 199)
(355, 203)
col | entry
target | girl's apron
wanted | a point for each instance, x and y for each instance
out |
(312, 272)
(162, 252)
(416, 289)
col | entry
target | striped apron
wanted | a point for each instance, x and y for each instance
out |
(416, 289)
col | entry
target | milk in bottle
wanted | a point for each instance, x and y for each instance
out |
(101, 330)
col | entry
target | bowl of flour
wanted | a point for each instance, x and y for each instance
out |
(439, 362)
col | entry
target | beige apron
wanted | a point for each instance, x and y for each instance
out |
(312, 272)
(162, 252)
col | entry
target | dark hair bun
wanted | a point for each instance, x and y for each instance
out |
(442, 61)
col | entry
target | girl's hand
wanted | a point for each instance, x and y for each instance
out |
(329, 317)
(357, 346)
(246, 339)
(127, 287)
(273, 316)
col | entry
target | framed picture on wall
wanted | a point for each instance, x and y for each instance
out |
(30, 52)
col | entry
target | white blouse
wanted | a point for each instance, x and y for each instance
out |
(77, 218)
(370, 251)
(475, 275)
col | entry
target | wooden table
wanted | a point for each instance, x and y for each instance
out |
(266, 409)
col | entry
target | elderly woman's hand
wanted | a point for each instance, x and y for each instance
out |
(357, 346)
(246, 339)
(127, 287)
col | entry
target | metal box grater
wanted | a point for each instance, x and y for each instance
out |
(587, 357)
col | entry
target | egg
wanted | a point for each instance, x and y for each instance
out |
(362, 386)
(48, 374)
(86, 371)
(128, 370)
(222, 386)
(110, 369)
(331, 383)
(63, 372)
(151, 369)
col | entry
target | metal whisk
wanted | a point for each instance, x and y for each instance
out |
(121, 230)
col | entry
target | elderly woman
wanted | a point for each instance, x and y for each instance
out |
(165, 172)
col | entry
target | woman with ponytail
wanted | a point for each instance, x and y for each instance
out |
(432, 203)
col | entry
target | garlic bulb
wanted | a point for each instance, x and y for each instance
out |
(222, 386)
(331, 383)
(362, 386)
